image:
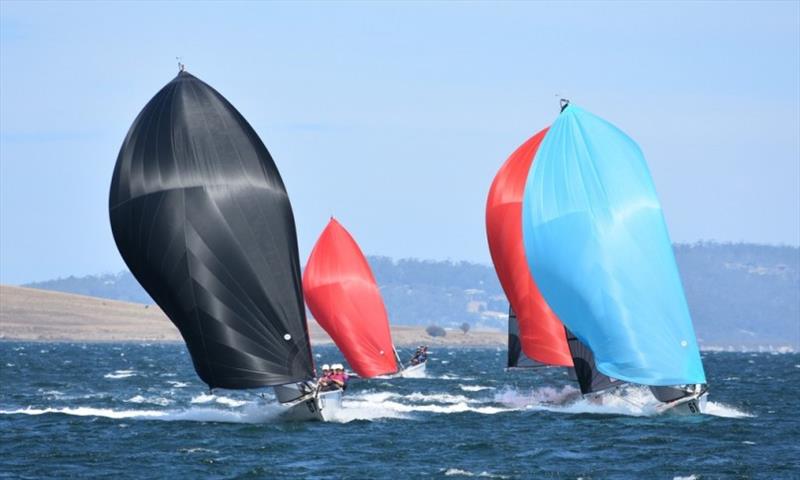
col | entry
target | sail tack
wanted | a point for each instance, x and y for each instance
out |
(541, 333)
(344, 298)
(598, 249)
(201, 216)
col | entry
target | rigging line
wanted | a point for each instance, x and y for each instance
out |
(399, 361)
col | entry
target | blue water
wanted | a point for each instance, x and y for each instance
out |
(138, 411)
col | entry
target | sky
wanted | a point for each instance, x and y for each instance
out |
(394, 117)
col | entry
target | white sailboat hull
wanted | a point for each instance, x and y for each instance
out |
(690, 405)
(321, 406)
(415, 371)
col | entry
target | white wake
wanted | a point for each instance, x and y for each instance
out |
(630, 401)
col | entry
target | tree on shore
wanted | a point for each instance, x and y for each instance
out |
(436, 331)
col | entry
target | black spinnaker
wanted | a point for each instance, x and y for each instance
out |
(201, 216)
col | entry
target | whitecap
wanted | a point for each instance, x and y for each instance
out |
(206, 398)
(198, 450)
(120, 374)
(51, 393)
(256, 414)
(86, 412)
(437, 397)
(230, 402)
(455, 377)
(721, 410)
(461, 407)
(151, 400)
(202, 398)
(474, 388)
(357, 409)
(451, 472)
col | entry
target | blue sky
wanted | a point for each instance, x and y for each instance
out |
(395, 116)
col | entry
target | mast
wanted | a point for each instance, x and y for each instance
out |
(201, 217)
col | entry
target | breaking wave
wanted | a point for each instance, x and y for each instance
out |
(255, 414)
(630, 401)
(208, 398)
(474, 388)
(457, 472)
(120, 374)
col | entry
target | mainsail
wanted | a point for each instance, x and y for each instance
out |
(589, 378)
(344, 298)
(516, 357)
(598, 249)
(201, 216)
(541, 333)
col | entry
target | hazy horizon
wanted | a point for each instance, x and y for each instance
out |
(395, 117)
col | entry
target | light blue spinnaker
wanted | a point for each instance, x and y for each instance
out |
(597, 246)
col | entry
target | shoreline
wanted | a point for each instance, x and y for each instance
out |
(780, 350)
(42, 316)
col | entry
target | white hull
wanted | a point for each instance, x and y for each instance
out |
(320, 407)
(415, 371)
(691, 405)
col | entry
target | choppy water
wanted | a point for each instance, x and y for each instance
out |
(138, 411)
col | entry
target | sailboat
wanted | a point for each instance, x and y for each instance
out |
(343, 296)
(598, 249)
(536, 336)
(201, 217)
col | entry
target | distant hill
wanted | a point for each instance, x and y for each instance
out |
(29, 314)
(739, 294)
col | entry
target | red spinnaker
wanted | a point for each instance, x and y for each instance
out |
(344, 298)
(541, 332)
